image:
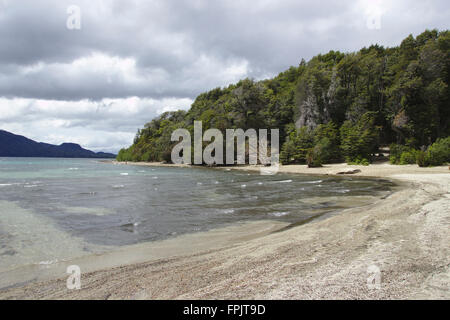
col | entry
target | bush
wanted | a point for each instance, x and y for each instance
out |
(438, 153)
(400, 154)
(359, 140)
(295, 149)
(326, 138)
(287, 152)
(396, 151)
(422, 159)
(304, 144)
(313, 158)
(408, 157)
(360, 162)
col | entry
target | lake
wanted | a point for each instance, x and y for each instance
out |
(58, 209)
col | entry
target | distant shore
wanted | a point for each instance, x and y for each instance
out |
(405, 236)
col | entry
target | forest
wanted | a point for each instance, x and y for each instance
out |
(335, 107)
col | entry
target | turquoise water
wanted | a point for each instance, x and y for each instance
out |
(52, 209)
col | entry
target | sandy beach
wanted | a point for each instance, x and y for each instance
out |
(406, 236)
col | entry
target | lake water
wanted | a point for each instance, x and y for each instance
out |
(55, 209)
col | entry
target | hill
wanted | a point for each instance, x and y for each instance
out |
(337, 106)
(12, 145)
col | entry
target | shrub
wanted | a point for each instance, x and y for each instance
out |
(408, 157)
(296, 147)
(439, 152)
(326, 137)
(324, 141)
(360, 162)
(313, 158)
(396, 151)
(400, 154)
(287, 152)
(422, 159)
(359, 140)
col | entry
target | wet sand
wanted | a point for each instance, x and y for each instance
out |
(405, 235)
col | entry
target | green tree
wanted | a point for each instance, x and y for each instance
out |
(359, 140)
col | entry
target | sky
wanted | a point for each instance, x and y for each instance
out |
(93, 72)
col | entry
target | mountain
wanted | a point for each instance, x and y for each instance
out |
(12, 145)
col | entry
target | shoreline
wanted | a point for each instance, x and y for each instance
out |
(405, 235)
(376, 170)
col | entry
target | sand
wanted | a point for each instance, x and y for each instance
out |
(405, 236)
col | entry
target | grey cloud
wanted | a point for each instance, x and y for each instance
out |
(171, 35)
(172, 49)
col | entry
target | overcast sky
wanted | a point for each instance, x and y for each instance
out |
(132, 60)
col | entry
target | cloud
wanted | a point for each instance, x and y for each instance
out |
(106, 125)
(170, 50)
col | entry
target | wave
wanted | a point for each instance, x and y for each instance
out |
(314, 182)
(283, 181)
(342, 191)
(93, 193)
(49, 262)
(279, 214)
(228, 211)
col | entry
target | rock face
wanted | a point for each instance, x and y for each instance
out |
(12, 145)
(315, 103)
(349, 171)
(309, 113)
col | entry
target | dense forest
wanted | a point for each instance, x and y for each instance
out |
(335, 107)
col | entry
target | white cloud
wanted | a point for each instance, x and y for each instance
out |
(105, 125)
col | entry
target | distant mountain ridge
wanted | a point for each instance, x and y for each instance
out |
(12, 145)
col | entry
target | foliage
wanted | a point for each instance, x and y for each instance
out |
(408, 157)
(343, 104)
(297, 146)
(359, 140)
(422, 159)
(359, 161)
(437, 154)
(327, 139)
(400, 154)
(313, 157)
